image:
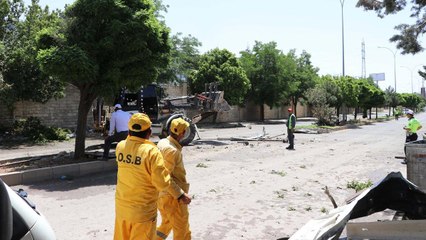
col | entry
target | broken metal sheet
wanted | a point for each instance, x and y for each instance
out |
(393, 192)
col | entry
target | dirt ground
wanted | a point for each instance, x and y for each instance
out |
(258, 189)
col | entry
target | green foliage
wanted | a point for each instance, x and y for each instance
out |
(370, 95)
(350, 90)
(280, 173)
(304, 76)
(270, 73)
(19, 67)
(201, 165)
(392, 98)
(223, 67)
(358, 186)
(412, 101)
(183, 59)
(318, 99)
(32, 129)
(408, 38)
(102, 46)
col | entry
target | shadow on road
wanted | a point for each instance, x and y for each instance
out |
(68, 183)
(208, 142)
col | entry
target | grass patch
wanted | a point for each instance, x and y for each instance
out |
(358, 186)
(281, 173)
(201, 165)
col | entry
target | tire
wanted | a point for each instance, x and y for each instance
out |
(190, 132)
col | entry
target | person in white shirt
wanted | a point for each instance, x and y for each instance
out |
(118, 129)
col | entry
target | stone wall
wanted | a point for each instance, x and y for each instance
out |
(56, 113)
(63, 112)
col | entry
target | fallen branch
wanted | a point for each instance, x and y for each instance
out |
(330, 197)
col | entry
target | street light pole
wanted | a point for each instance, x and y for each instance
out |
(394, 63)
(342, 2)
(411, 72)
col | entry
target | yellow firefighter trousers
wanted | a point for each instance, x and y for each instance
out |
(126, 230)
(174, 216)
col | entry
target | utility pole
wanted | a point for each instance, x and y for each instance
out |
(342, 2)
(363, 71)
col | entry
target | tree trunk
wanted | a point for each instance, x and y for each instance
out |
(86, 100)
(356, 112)
(338, 115)
(294, 100)
(262, 112)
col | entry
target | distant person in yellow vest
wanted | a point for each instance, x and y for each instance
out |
(412, 127)
(174, 213)
(141, 176)
(291, 124)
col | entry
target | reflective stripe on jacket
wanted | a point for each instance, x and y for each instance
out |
(291, 122)
(141, 175)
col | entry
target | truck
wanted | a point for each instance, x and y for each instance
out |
(152, 100)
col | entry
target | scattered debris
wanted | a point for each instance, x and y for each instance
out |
(330, 197)
(393, 192)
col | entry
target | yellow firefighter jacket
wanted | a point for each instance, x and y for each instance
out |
(141, 175)
(172, 153)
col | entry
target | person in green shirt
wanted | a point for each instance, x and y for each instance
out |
(412, 127)
(291, 124)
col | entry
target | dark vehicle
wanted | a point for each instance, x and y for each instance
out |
(162, 110)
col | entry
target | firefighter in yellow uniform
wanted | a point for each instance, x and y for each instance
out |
(174, 214)
(141, 176)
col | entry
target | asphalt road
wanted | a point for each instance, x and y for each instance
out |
(83, 208)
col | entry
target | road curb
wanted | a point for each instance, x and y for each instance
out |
(66, 171)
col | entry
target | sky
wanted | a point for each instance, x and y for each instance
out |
(314, 26)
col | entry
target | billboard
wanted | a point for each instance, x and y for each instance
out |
(377, 76)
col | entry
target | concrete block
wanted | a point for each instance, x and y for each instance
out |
(11, 179)
(110, 165)
(91, 167)
(70, 170)
(36, 175)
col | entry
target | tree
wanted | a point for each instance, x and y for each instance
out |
(412, 101)
(392, 99)
(304, 76)
(103, 46)
(20, 69)
(349, 91)
(332, 91)
(408, 38)
(270, 73)
(223, 67)
(184, 57)
(317, 98)
(423, 74)
(370, 95)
